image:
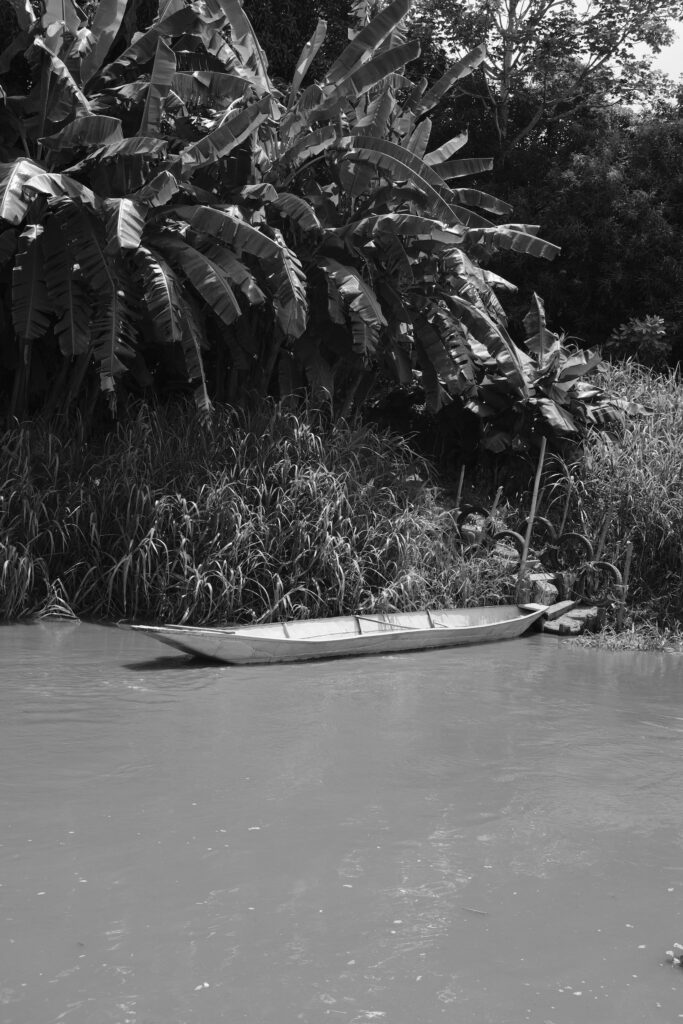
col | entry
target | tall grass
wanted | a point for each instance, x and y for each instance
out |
(267, 517)
(630, 483)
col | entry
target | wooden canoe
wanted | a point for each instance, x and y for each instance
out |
(348, 635)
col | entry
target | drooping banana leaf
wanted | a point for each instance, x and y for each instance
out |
(245, 43)
(125, 224)
(406, 225)
(163, 72)
(463, 168)
(158, 191)
(444, 341)
(503, 237)
(561, 420)
(60, 185)
(162, 296)
(233, 268)
(306, 58)
(297, 210)
(208, 88)
(367, 41)
(405, 166)
(474, 197)
(287, 282)
(391, 253)
(84, 132)
(13, 177)
(579, 365)
(105, 25)
(65, 285)
(206, 277)
(360, 303)
(112, 332)
(445, 152)
(512, 362)
(436, 396)
(312, 144)
(230, 230)
(233, 132)
(460, 69)
(59, 68)
(31, 305)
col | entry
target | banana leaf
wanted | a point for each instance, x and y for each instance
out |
(229, 229)
(287, 282)
(8, 245)
(375, 122)
(561, 420)
(443, 153)
(144, 47)
(298, 211)
(245, 43)
(105, 25)
(162, 296)
(360, 303)
(60, 185)
(419, 139)
(504, 237)
(474, 197)
(112, 333)
(163, 72)
(367, 40)
(538, 339)
(208, 88)
(579, 365)
(69, 297)
(306, 58)
(23, 12)
(511, 361)
(158, 191)
(13, 177)
(463, 168)
(206, 277)
(83, 132)
(446, 346)
(232, 133)
(436, 396)
(375, 70)
(312, 144)
(234, 269)
(59, 68)
(405, 166)
(406, 225)
(31, 305)
(125, 224)
(460, 69)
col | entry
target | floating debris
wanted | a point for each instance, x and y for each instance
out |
(676, 954)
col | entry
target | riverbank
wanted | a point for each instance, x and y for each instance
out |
(273, 516)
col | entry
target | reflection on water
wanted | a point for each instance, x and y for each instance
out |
(482, 835)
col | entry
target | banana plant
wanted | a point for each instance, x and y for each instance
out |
(158, 194)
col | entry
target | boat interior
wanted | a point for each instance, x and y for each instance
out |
(363, 625)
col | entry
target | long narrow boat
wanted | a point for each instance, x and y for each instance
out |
(348, 635)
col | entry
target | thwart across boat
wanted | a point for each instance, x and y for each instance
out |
(348, 635)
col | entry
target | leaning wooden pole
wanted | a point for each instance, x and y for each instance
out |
(530, 521)
(621, 607)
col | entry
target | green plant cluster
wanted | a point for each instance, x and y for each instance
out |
(264, 518)
(169, 212)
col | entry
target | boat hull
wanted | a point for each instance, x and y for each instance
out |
(348, 636)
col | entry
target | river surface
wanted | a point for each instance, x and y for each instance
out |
(491, 834)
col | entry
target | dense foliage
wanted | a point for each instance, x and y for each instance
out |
(163, 197)
(272, 516)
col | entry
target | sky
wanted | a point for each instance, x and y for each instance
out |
(670, 60)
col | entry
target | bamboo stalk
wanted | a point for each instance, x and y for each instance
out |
(532, 514)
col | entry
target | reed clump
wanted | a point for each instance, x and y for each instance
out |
(268, 516)
(627, 485)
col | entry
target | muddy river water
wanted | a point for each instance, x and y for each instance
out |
(492, 834)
